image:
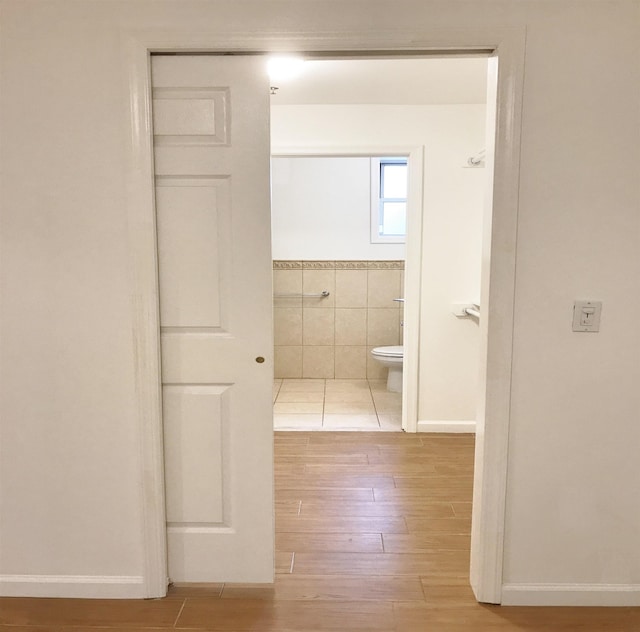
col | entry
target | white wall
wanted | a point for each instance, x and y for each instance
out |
(70, 457)
(452, 226)
(321, 209)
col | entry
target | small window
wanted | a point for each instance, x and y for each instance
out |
(388, 200)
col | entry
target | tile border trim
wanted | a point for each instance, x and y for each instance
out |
(338, 265)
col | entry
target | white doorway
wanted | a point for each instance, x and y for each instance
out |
(491, 454)
(322, 205)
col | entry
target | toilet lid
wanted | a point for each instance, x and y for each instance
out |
(390, 352)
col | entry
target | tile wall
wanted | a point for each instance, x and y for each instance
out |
(332, 337)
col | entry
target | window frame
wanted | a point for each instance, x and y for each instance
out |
(377, 200)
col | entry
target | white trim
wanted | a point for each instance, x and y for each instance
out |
(143, 266)
(491, 447)
(353, 151)
(412, 291)
(73, 586)
(571, 595)
(456, 426)
(504, 123)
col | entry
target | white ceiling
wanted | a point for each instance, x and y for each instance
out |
(416, 81)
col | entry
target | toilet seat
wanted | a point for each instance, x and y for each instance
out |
(389, 352)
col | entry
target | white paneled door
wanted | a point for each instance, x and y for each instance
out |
(211, 140)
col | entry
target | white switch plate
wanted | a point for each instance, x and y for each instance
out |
(586, 315)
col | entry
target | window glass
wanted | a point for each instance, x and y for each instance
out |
(394, 180)
(389, 199)
(394, 219)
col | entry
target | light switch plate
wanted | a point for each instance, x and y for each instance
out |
(586, 316)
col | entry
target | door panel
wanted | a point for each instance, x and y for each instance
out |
(194, 212)
(211, 139)
(193, 418)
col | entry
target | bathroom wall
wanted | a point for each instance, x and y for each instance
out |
(452, 225)
(332, 337)
(321, 209)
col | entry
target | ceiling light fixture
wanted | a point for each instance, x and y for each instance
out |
(283, 68)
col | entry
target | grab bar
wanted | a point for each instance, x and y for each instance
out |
(322, 294)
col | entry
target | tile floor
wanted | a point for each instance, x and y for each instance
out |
(317, 404)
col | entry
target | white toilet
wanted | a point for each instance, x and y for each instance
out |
(392, 358)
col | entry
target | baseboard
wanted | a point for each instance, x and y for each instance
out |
(447, 426)
(81, 586)
(571, 595)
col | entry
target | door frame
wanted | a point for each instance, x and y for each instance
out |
(413, 253)
(507, 45)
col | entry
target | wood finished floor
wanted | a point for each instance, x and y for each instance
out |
(372, 535)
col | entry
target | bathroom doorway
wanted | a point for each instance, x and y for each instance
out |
(338, 295)
(338, 291)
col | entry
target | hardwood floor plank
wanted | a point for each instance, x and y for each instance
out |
(561, 619)
(390, 469)
(337, 495)
(446, 578)
(284, 561)
(89, 612)
(82, 628)
(456, 469)
(288, 470)
(365, 438)
(326, 459)
(399, 457)
(336, 524)
(420, 542)
(239, 615)
(421, 617)
(444, 596)
(311, 481)
(435, 482)
(415, 617)
(182, 591)
(448, 438)
(331, 587)
(377, 509)
(423, 494)
(377, 564)
(346, 447)
(460, 526)
(329, 542)
(281, 438)
(462, 509)
(288, 507)
(421, 452)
